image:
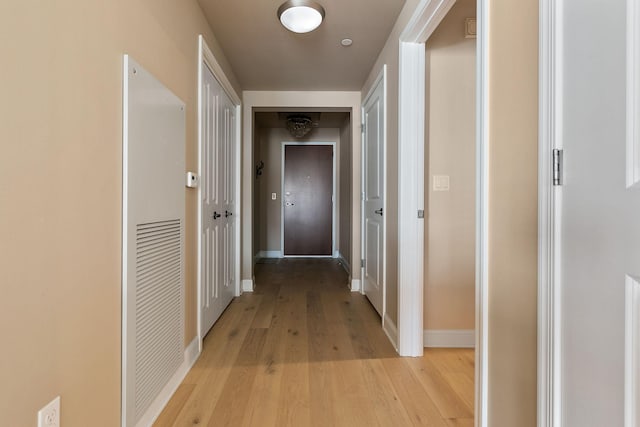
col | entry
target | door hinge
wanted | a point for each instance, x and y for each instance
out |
(361, 263)
(557, 167)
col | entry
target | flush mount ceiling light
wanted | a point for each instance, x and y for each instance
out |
(300, 16)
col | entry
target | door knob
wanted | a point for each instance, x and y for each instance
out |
(227, 214)
(379, 211)
(216, 215)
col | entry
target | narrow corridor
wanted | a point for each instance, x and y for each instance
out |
(303, 350)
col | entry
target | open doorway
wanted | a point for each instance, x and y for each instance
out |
(450, 180)
(299, 207)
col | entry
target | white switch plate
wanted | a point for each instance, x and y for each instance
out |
(274, 196)
(441, 183)
(49, 416)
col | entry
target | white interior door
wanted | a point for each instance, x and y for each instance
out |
(599, 210)
(218, 201)
(373, 115)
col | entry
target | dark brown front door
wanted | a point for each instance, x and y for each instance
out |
(308, 204)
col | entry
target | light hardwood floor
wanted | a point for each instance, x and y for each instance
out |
(304, 351)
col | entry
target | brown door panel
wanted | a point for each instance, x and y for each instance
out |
(308, 205)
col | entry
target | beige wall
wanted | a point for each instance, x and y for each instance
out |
(449, 292)
(60, 222)
(271, 180)
(345, 192)
(513, 141)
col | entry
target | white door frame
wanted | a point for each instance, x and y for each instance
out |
(550, 121)
(333, 200)
(387, 324)
(411, 144)
(207, 59)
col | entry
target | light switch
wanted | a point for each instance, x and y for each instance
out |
(274, 196)
(441, 183)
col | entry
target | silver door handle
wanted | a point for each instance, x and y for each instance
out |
(379, 211)
(289, 204)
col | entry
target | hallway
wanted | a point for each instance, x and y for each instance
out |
(303, 350)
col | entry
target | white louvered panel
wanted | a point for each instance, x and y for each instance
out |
(158, 304)
(152, 243)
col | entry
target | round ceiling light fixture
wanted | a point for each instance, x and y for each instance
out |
(300, 16)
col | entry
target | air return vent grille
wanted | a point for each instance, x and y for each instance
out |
(159, 321)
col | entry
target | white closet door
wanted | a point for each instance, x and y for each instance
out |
(218, 201)
(374, 193)
(599, 204)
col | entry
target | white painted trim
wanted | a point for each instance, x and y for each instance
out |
(411, 125)
(382, 78)
(549, 295)
(248, 285)
(207, 59)
(334, 198)
(450, 338)
(191, 354)
(632, 353)
(390, 329)
(356, 285)
(633, 93)
(482, 217)
(425, 20)
(256, 100)
(269, 254)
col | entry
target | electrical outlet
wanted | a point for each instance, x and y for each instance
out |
(49, 416)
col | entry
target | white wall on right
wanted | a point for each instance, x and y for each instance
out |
(449, 297)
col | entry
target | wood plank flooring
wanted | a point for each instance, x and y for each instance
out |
(303, 350)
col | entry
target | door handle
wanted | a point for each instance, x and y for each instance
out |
(227, 214)
(379, 211)
(216, 215)
(289, 204)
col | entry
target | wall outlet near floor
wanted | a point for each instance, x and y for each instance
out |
(49, 416)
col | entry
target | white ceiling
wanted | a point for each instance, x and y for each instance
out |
(266, 56)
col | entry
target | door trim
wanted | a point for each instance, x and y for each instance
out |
(411, 145)
(333, 198)
(387, 324)
(207, 59)
(549, 295)
(424, 21)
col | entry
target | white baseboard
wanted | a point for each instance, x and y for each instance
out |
(452, 338)
(191, 354)
(270, 254)
(247, 285)
(343, 261)
(356, 285)
(391, 330)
